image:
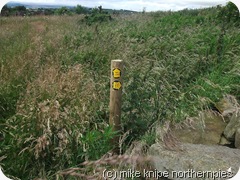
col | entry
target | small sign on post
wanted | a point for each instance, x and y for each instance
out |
(116, 99)
(116, 73)
(116, 85)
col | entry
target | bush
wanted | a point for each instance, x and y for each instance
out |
(63, 11)
(97, 15)
(81, 10)
(229, 14)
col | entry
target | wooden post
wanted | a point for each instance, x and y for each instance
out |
(116, 99)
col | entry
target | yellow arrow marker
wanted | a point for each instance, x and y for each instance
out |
(116, 85)
(116, 73)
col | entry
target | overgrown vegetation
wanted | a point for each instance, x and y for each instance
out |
(54, 81)
(229, 14)
(97, 15)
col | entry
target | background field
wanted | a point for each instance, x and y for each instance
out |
(55, 73)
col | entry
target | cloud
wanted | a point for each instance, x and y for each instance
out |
(150, 5)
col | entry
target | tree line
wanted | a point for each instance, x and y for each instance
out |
(23, 11)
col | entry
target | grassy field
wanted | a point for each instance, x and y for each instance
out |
(55, 73)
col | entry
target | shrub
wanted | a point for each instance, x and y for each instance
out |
(97, 15)
(229, 14)
(62, 11)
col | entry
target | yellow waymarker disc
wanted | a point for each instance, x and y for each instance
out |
(116, 73)
(116, 85)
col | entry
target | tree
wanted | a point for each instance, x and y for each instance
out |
(229, 13)
(100, 9)
(97, 15)
(144, 10)
(80, 10)
(20, 10)
(62, 11)
(5, 11)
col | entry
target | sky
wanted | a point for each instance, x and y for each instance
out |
(136, 5)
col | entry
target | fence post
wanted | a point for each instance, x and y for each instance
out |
(116, 99)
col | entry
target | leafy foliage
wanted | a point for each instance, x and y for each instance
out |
(81, 10)
(18, 10)
(229, 14)
(62, 11)
(97, 15)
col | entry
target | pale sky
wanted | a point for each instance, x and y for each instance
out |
(136, 5)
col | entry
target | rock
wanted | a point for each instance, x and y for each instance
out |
(224, 141)
(232, 126)
(227, 105)
(165, 136)
(193, 158)
(237, 138)
(205, 129)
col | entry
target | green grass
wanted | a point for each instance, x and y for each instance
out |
(54, 82)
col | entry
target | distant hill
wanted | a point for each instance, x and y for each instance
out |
(37, 5)
(54, 6)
